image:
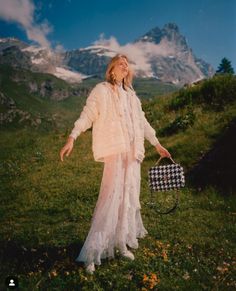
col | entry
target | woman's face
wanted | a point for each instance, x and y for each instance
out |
(121, 69)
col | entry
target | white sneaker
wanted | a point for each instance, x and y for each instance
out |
(90, 268)
(128, 254)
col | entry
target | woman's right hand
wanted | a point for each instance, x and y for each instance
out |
(67, 148)
(163, 152)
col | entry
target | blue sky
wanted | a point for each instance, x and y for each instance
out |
(208, 25)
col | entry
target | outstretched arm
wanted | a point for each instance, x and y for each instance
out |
(88, 115)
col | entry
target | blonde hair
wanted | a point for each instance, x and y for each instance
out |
(127, 81)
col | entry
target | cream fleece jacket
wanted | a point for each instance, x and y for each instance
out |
(104, 114)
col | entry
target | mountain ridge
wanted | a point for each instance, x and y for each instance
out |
(163, 54)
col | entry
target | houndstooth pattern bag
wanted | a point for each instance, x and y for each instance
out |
(163, 178)
(166, 177)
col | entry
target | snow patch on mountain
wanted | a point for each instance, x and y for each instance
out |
(68, 75)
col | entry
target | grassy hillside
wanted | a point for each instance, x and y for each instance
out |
(46, 206)
(197, 125)
(149, 88)
(54, 114)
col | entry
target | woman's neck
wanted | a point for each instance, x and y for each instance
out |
(118, 82)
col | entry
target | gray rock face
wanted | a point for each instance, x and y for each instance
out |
(87, 62)
(12, 41)
(11, 111)
(8, 102)
(13, 56)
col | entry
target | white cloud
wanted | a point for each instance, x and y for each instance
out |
(22, 12)
(59, 48)
(139, 53)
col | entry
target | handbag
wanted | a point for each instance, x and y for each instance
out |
(164, 178)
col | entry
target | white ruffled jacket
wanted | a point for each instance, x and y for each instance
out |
(109, 131)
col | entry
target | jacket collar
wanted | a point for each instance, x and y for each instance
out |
(108, 85)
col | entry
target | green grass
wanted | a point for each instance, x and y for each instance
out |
(47, 203)
(149, 88)
(46, 208)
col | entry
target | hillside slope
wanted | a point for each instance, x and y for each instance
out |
(218, 166)
(197, 125)
(43, 100)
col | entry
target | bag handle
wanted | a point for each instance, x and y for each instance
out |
(152, 204)
(164, 157)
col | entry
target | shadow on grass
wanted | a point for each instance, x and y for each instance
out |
(218, 166)
(18, 259)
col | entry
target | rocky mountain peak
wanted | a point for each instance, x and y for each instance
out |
(171, 27)
(170, 32)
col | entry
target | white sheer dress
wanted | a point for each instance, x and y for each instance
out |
(116, 220)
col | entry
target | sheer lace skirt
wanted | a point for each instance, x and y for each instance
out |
(116, 220)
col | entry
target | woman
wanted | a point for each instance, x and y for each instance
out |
(119, 129)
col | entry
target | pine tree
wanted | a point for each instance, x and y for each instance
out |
(225, 67)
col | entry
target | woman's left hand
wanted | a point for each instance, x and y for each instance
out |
(162, 151)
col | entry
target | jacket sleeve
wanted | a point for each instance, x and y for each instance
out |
(88, 115)
(149, 132)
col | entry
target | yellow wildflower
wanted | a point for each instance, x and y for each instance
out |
(150, 281)
(164, 254)
(145, 278)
